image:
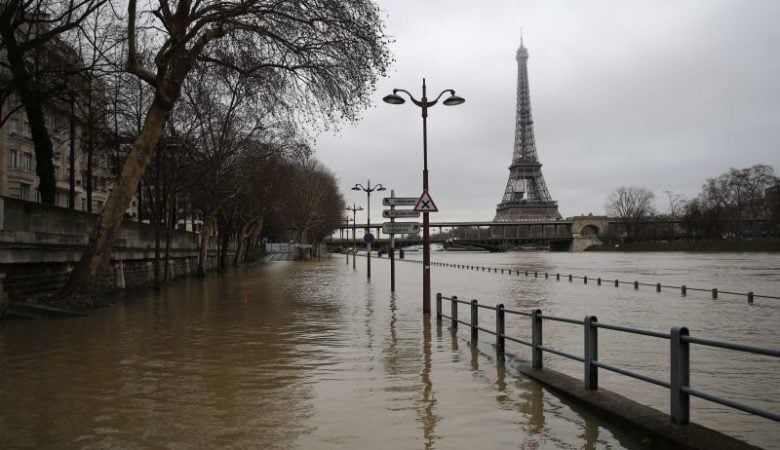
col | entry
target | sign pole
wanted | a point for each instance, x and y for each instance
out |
(392, 248)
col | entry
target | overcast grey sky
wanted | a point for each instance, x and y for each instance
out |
(660, 94)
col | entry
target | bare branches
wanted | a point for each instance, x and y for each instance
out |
(630, 205)
(133, 64)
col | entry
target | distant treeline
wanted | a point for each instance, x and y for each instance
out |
(741, 204)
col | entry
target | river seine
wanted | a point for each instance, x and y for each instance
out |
(313, 355)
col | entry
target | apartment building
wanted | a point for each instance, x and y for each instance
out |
(18, 178)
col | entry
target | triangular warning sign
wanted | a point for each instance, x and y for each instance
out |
(425, 204)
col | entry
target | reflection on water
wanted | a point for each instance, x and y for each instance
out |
(311, 355)
(428, 402)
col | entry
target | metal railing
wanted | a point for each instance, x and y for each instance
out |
(679, 339)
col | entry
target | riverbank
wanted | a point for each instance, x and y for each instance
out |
(692, 246)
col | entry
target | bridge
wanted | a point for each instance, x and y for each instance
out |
(574, 234)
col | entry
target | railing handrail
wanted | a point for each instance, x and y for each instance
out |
(679, 384)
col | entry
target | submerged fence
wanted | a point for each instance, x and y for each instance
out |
(683, 289)
(679, 339)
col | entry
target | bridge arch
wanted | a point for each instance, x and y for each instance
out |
(590, 230)
(589, 226)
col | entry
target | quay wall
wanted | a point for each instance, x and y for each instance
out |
(40, 245)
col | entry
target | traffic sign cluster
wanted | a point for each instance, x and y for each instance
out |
(394, 227)
(422, 204)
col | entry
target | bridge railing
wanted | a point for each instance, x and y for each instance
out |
(679, 384)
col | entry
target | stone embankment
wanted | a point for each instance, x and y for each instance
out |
(40, 245)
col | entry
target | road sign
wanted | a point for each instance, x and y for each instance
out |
(368, 238)
(399, 201)
(425, 203)
(401, 228)
(396, 213)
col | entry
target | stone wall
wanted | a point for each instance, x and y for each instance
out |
(40, 245)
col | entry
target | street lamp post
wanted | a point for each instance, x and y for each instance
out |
(368, 190)
(346, 220)
(354, 208)
(424, 104)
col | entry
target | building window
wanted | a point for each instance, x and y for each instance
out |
(24, 191)
(16, 127)
(27, 162)
(62, 199)
(13, 159)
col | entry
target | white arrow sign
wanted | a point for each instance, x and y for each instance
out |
(399, 201)
(400, 228)
(396, 213)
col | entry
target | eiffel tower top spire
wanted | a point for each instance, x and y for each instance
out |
(525, 145)
(526, 196)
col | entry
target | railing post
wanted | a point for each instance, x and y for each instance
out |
(658, 287)
(598, 281)
(715, 293)
(591, 353)
(557, 277)
(617, 283)
(546, 275)
(680, 376)
(536, 338)
(750, 297)
(438, 307)
(569, 278)
(454, 311)
(636, 285)
(585, 279)
(500, 341)
(683, 290)
(474, 320)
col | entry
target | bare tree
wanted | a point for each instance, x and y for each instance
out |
(96, 43)
(313, 205)
(324, 55)
(676, 203)
(39, 65)
(630, 205)
(738, 194)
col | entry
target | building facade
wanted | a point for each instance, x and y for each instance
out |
(58, 68)
(18, 178)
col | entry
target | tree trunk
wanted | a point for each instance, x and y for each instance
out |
(90, 144)
(225, 239)
(33, 106)
(156, 252)
(248, 230)
(72, 156)
(168, 229)
(101, 240)
(205, 234)
(243, 235)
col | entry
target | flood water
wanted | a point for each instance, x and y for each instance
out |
(312, 355)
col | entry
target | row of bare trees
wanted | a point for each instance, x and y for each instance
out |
(211, 95)
(732, 205)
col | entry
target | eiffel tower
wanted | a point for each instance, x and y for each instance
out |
(526, 197)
